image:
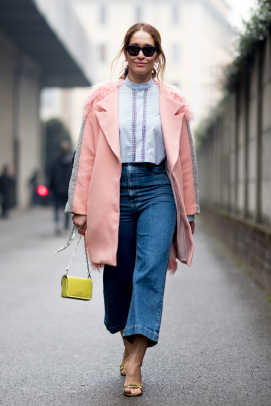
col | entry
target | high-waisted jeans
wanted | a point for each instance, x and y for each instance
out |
(134, 289)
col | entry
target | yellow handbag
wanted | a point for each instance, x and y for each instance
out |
(75, 287)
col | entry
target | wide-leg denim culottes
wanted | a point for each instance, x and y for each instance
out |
(134, 288)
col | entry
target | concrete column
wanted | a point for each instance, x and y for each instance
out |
(7, 67)
(231, 152)
(252, 141)
(260, 59)
(29, 130)
(266, 136)
(246, 141)
(236, 134)
(19, 116)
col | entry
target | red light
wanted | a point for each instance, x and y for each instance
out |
(42, 190)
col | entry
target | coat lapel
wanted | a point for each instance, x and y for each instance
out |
(171, 121)
(107, 115)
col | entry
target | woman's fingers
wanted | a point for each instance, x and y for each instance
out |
(192, 225)
(80, 223)
(97, 265)
(82, 228)
(81, 231)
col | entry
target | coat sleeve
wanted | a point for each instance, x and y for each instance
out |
(82, 168)
(189, 170)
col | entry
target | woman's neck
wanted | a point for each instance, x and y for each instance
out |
(139, 79)
(138, 85)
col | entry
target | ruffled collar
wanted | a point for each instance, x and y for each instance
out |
(138, 85)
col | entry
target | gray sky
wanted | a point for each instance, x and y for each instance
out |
(241, 9)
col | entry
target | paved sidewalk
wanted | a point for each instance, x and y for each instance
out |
(215, 341)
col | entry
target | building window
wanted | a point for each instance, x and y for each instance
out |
(102, 52)
(102, 14)
(48, 98)
(175, 14)
(138, 13)
(176, 84)
(176, 52)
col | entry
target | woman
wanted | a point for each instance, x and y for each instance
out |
(133, 193)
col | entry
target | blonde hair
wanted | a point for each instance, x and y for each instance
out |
(160, 66)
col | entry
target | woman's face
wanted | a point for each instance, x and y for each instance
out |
(141, 66)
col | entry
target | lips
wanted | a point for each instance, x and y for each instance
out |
(140, 63)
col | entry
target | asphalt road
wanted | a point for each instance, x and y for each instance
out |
(215, 341)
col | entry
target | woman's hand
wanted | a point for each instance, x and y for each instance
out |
(80, 222)
(97, 265)
(192, 225)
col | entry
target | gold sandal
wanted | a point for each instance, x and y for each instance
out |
(132, 386)
(122, 370)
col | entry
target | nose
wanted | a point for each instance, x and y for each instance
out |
(141, 55)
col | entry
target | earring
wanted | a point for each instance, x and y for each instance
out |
(124, 64)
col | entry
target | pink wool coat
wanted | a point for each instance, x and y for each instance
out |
(94, 188)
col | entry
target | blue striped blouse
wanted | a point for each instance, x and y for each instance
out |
(141, 137)
(140, 131)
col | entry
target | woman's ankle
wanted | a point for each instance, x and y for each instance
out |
(133, 374)
(132, 365)
(125, 356)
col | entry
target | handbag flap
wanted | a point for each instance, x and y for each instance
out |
(76, 287)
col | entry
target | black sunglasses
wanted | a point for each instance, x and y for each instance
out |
(134, 50)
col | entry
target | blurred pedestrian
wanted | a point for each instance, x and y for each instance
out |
(33, 182)
(133, 193)
(6, 184)
(59, 178)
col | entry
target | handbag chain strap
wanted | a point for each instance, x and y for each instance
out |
(71, 236)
